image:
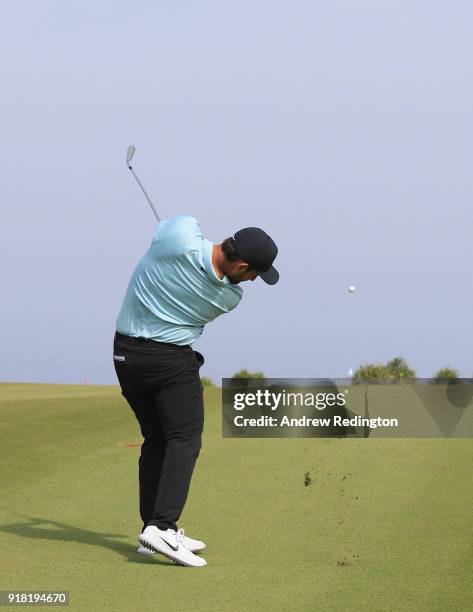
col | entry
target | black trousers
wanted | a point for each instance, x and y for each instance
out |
(162, 385)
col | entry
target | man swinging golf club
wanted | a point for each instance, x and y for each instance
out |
(182, 282)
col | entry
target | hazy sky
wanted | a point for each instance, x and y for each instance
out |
(344, 129)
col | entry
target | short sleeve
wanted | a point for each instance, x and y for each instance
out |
(178, 235)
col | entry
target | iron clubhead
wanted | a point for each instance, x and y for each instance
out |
(129, 154)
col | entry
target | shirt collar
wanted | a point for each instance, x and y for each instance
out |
(208, 250)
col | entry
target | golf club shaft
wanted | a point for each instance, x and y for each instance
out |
(144, 191)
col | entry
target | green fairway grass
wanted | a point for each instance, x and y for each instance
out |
(385, 524)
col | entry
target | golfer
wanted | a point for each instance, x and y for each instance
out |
(182, 282)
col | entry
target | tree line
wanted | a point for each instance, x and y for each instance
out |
(395, 371)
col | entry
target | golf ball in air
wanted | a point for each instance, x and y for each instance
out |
(351, 289)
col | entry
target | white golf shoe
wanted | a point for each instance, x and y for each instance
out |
(191, 544)
(171, 544)
(144, 551)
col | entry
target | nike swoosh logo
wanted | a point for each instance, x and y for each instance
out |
(175, 548)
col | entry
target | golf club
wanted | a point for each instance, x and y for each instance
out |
(129, 155)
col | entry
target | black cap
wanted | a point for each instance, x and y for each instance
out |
(259, 251)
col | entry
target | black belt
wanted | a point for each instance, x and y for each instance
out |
(148, 342)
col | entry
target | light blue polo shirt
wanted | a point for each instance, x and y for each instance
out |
(174, 290)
